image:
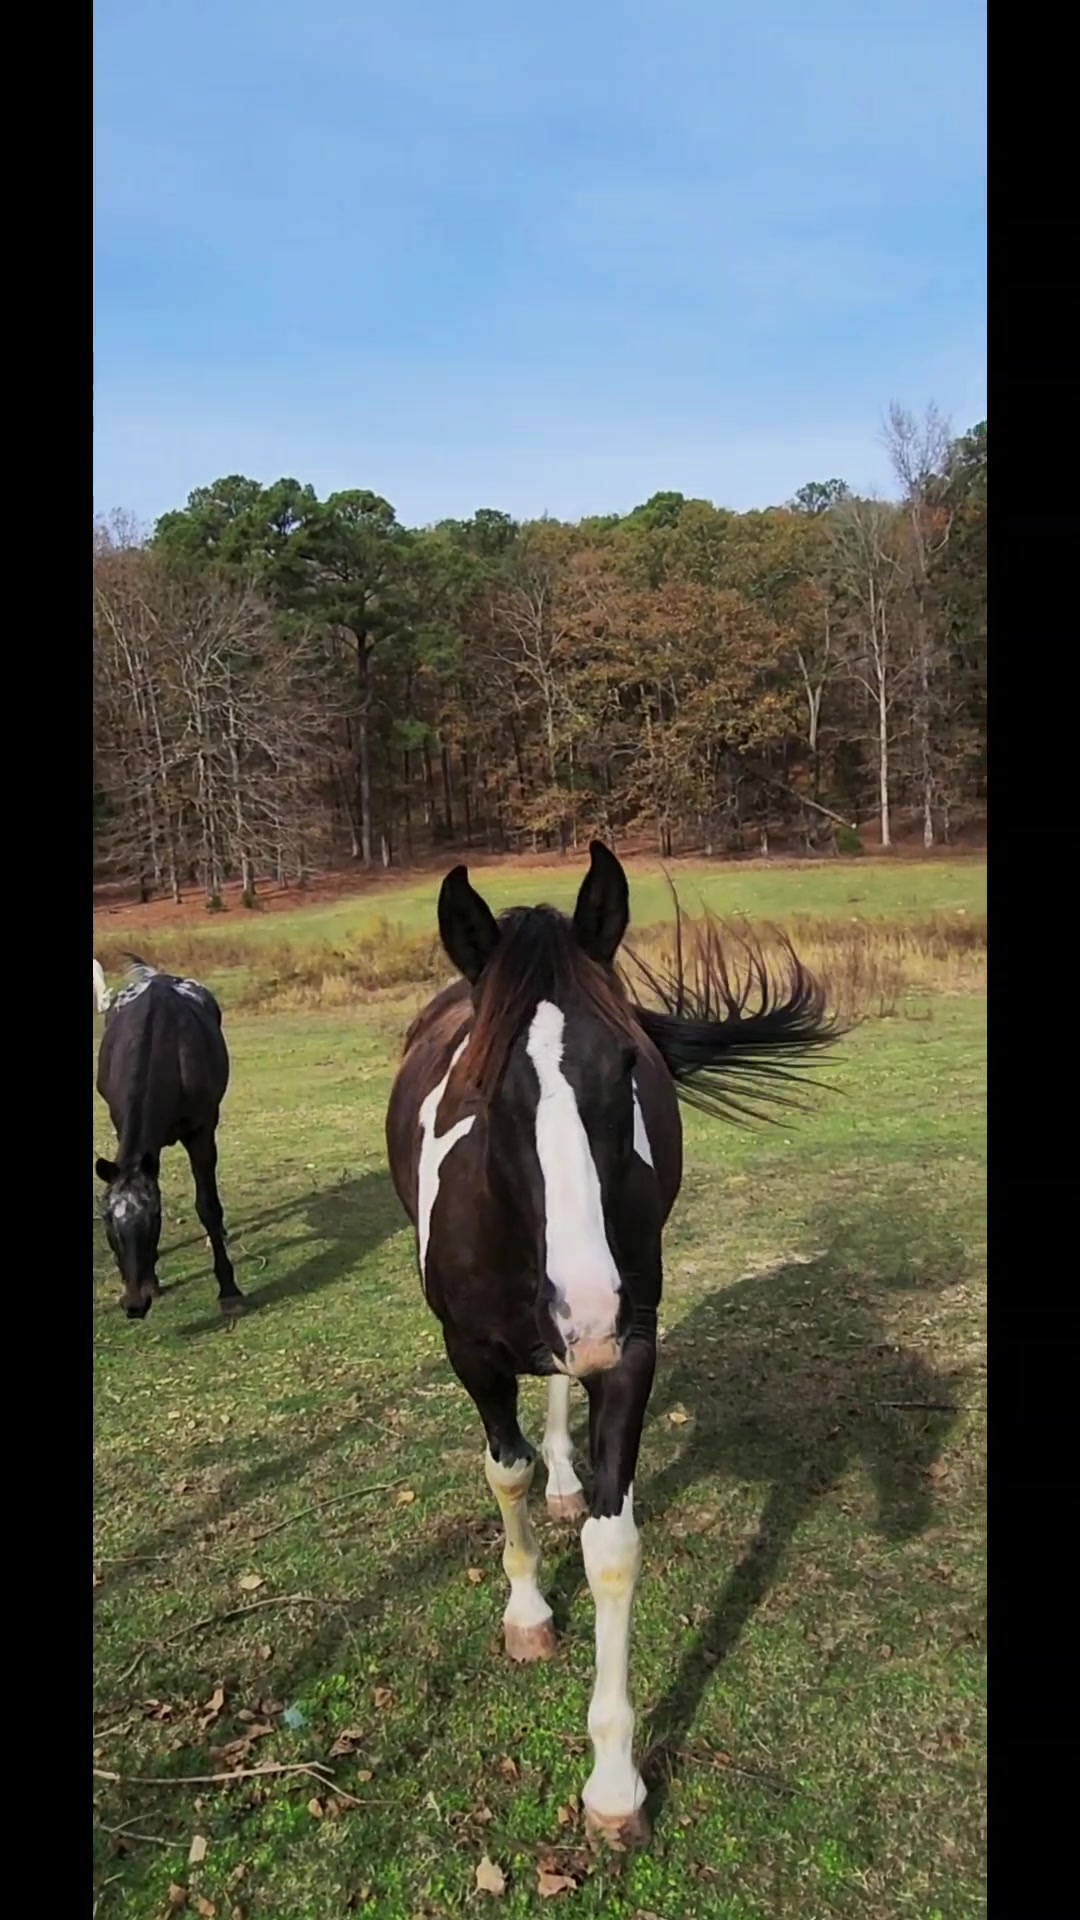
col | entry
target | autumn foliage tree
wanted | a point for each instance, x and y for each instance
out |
(283, 682)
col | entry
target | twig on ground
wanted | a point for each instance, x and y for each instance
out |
(334, 1500)
(314, 1770)
(925, 1406)
(123, 1832)
(219, 1619)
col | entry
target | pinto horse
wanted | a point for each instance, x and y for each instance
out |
(163, 1070)
(535, 1142)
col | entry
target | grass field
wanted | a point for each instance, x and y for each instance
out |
(297, 1558)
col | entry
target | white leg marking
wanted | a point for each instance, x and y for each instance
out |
(433, 1151)
(527, 1621)
(615, 1791)
(579, 1259)
(565, 1496)
(641, 1138)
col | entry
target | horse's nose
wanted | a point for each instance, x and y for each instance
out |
(137, 1312)
(592, 1356)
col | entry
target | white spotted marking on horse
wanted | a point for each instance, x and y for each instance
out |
(641, 1138)
(580, 1263)
(434, 1148)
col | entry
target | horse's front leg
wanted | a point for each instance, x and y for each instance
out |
(565, 1497)
(509, 1463)
(614, 1794)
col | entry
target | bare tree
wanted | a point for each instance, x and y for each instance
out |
(919, 452)
(868, 570)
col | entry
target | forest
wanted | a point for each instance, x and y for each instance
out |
(285, 684)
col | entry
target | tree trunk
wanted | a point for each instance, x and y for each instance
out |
(447, 794)
(363, 745)
(466, 801)
(883, 765)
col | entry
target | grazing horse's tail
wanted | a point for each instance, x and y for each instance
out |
(733, 1038)
(102, 996)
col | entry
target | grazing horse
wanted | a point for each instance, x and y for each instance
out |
(535, 1142)
(102, 996)
(162, 1071)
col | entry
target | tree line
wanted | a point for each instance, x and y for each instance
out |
(283, 683)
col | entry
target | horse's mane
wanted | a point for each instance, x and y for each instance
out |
(537, 958)
(734, 1031)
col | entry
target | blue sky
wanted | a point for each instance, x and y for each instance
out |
(545, 259)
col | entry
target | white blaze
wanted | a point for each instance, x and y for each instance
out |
(433, 1151)
(579, 1260)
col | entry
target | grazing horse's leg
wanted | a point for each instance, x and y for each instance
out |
(565, 1498)
(509, 1463)
(202, 1152)
(614, 1794)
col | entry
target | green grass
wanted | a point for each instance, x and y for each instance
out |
(807, 1658)
(868, 887)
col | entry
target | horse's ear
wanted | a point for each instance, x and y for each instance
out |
(106, 1171)
(467, 925)
(602, 914)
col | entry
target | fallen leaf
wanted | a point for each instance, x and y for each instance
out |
(508, 1768)
(565, 1816)
(474, 1575)
(197, 1850)
(489, 1877)
(383, 1697)
(315, 1808)
(346, 1743)
(266, 1651)
(406, 1497)
(205, 1907)
(364, 1774)
(549, 1884)
(678, 1417)
(177, 1897)
(251, 1582)
(937, 1470)
(212, 1708)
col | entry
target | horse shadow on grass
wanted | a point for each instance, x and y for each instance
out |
(789, 1378)
(342, 1225)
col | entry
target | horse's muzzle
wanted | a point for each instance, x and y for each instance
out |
(592, 1356)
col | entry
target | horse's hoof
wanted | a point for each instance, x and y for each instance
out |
(530, 1643)
(567, 1506)
(623, 1831)
(233, 1304)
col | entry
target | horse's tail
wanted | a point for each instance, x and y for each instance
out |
(102, 996)
(731, 1038)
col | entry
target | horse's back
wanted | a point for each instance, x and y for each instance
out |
(171, 1030)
